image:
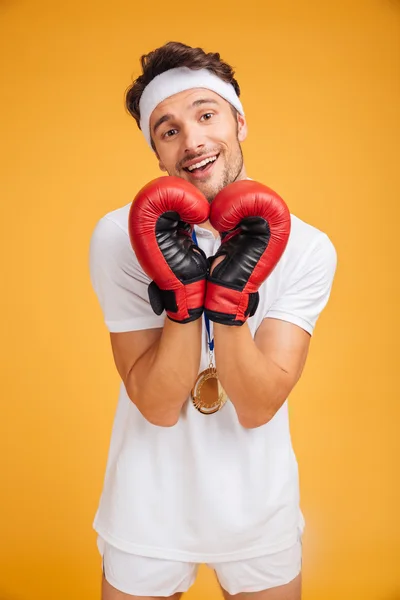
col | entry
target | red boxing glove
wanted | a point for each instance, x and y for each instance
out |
(254, 223)
(160, 227)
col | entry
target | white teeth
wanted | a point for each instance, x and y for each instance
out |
(202, 163)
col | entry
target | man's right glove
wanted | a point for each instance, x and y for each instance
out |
(254, 223)
(160, 227)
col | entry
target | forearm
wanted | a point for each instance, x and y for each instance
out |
(162, 378)
(254, 383)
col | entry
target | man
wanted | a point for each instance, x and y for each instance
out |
(181, 487)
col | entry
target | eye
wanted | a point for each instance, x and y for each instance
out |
(207, 115)
(167, 133)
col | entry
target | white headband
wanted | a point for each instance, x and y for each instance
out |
(178, 80)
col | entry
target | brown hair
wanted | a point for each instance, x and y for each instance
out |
(169, 56)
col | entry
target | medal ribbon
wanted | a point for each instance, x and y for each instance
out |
(208, 401)
(206, 319)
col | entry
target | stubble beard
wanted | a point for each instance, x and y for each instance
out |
(230, 174)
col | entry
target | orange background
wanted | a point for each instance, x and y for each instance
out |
(321, 87)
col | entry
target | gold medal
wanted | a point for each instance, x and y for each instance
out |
(208, 395)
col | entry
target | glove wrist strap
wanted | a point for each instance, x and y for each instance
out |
(229, 306)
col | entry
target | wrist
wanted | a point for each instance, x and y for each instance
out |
(182, 304)
(229, 305)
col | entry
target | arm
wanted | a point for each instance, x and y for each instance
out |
(259, 374)
(158, 368)
(157, 359)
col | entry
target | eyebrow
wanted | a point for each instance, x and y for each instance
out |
(169, 116)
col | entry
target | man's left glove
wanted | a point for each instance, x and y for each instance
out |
(160, 227)
(254, 223)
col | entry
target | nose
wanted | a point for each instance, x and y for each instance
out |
(193, 140)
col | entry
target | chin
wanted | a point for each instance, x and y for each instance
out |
(211, 188)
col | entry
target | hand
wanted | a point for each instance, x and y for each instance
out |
(160, 227)
(254, 223)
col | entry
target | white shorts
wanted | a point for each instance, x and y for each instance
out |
(143, 576)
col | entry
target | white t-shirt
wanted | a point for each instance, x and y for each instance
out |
(206, 489)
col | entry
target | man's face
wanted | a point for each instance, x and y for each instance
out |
(193, 126)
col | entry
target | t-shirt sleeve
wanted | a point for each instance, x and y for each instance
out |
(308, 288)
(118, 280)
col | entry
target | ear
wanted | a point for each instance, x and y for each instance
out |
(242, 128)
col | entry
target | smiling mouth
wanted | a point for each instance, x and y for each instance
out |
(201, 165)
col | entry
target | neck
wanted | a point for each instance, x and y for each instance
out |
(207, 225)
(242, 174)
